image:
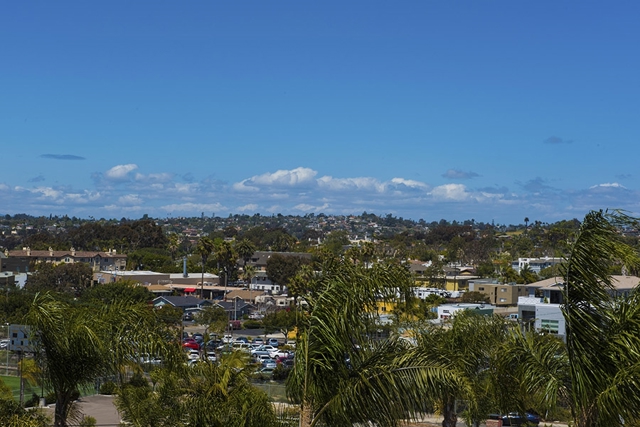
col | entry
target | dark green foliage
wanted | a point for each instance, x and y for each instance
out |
(71, 278)
(474, 297)
(108, 293)
(138, 380)
(280, 320)
(282, 268)
(108, 387)
(280, 373)
(252, 324)
(14, 415)
(154, 259)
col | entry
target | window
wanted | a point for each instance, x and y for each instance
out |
(550, 326)
(503, 289)
(503, 300)
(481, 289)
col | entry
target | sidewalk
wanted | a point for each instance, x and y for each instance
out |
(98, 406)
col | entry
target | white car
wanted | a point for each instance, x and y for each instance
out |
(4, 343)
(278, 353)
(211, 356)
(193, 355)
(262, 348)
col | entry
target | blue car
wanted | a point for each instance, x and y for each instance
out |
(514, 419)
(273, 341)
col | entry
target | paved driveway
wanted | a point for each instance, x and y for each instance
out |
(99, 407)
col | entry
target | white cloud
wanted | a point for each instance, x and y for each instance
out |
(4, 187)
(242, 187)
(120, 172)
(289, 178)
(410, 183)
(186, 188)
(47, 192)
(251, 207)
(341, 184)
(608, 185)
(305, 207)
(457, 192)
(193, 207)
(130, 200)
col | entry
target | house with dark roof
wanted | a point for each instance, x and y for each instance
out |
(185, 303)
(236, 309)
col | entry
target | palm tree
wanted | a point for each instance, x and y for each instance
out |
(245, 249)
(208, 394)
(78, 344)
(248, 271)
(226, 256)
(343, 374)
(204, 247)
(173, 245)
(602, 387)
(467, 346)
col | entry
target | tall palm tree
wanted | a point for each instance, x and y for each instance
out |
(344, 375)
(467, 346)
(245, 249)
(226, 256)
(78, 344)
(602, 387)
(204, 247)
(248, 271)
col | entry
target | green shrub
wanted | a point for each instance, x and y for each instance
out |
(33, 401)
(138, 380)
(280, 373)
(88, 421)
(252, 324)
(108, 387)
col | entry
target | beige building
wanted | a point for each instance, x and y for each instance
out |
(98, 260)
(500, 294)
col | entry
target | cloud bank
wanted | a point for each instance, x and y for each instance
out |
(125, 190)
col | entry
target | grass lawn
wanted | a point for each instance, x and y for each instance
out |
(14, 385)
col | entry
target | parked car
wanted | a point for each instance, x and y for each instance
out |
(287, 364)
(191, 343)
(278, 353)
(269, 363)
(211, 356)
(4, 343)
(258, 341)
(242, 340)
(514, 419)
(273, 341)
(264, 349)
(193, 355)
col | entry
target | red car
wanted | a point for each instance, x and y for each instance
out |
(191, 343)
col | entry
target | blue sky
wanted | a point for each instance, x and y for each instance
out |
(485, 110)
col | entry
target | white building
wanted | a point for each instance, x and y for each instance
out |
(260, 282)
(536, 264)
(543, 316)
(446, 311)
